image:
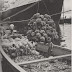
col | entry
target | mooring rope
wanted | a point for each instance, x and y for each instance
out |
(61, 12)
(38, 7)
(29, 19)
(7, 22)
(45, 6)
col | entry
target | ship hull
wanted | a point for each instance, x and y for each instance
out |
(43, 7)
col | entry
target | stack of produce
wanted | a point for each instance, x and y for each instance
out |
(41, 28)
(48, 66)
(20, 49)
(18, 46)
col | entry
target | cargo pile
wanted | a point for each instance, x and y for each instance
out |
(20, 49)
(20, 46)
(41, 28)
(48, 66)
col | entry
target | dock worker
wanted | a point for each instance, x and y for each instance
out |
(2, 30)
(11, 28)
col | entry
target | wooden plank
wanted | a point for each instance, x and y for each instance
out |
(42, 60)
(10, 61)
(58, 50)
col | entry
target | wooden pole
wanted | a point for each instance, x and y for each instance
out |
(43, 60)
(63, 19)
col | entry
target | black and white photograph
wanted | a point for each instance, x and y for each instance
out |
(35, 36)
